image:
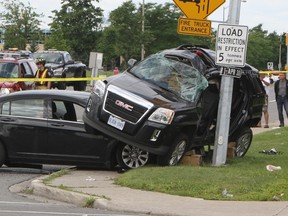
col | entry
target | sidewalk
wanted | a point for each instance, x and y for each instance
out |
(84, 184)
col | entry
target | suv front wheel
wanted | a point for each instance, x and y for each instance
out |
(176, 152)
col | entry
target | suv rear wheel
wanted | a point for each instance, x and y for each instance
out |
(243, 141)
(176, 152)
(130, 157)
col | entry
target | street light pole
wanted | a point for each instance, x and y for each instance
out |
(143, 28)
(224, 107)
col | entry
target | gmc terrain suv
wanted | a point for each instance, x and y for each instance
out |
(167, 104)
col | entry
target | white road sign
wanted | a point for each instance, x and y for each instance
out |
(270, 66)
(231, 45)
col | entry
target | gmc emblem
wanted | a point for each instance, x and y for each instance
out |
(123, 105)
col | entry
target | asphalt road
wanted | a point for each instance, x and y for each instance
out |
(12, 204)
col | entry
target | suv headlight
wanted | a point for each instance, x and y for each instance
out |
(162, 115)
(99, 88)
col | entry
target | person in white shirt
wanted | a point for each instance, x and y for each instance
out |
(266, 82)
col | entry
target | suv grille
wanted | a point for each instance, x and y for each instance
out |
(125, 105)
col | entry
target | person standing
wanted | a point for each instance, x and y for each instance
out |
(266, 83)
(115, 71)
(42, 72)
(281, 95)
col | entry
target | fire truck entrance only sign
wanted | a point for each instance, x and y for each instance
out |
(231, 45)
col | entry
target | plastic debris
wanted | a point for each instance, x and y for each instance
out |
(226, 194)
(90, 179)
(272, 151)
(272, 167)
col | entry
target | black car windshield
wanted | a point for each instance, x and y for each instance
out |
(55, 58)
(170, 73)
(9, 70)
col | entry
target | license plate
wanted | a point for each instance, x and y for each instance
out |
(115, 122)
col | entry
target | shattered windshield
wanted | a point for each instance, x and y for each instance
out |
(179, 77)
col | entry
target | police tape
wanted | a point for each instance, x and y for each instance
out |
(49, 79)
(272, 72)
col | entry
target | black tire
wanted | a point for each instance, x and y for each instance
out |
(131, 157)
(61, 85)
(80, 86)
(176, 152)
(2, 155)
(243, 141)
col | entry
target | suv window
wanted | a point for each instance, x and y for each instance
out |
(27, 69)
(179, 77)
(26, 108)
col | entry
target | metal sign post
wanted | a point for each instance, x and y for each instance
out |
(226, 53)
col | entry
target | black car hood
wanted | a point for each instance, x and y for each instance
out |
(53, 65)
(148, 91)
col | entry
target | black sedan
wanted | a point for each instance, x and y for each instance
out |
(46, 127)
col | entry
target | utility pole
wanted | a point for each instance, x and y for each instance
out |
(143, 29)
(280, 54)
(224, 107)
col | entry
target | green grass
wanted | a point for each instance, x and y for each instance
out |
(55, 175)
(246, 178)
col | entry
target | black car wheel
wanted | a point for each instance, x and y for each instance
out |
(80, 86)
(130, 157)
(243, 141)
(61, 85)
(2, 155)
(176, 152)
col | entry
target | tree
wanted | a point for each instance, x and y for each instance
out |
(162, 21)
(20, 24)
(262, 47)
(160, 31)
(76, 28)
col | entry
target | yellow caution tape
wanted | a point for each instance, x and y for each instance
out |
(272, 72)
(49, 79)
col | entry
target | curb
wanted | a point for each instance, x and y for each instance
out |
(53, 193)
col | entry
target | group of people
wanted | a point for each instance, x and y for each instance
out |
(281, 96)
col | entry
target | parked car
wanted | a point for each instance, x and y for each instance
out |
(11, 67)
(46, 127)
(167, 104)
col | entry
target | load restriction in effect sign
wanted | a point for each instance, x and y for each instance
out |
(231, 45)
(194, 27)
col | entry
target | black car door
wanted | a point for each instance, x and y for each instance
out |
(71, 144)
(23, 129)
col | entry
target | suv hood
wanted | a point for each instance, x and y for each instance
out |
(53, 65)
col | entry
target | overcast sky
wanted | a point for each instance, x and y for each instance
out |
(272, 14)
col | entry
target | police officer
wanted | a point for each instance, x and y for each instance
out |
(42, 72)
